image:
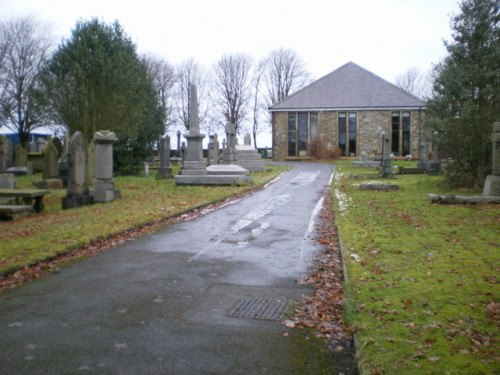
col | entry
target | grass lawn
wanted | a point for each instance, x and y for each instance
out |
(422, 289)
(144, 200)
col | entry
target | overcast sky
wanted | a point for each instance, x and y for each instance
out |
(387, 37)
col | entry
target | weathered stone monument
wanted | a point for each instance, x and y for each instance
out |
(4, 149)
(63, 161)
(20, 156)
(194, 171)
(213, 150)
(386, 164)
(90, 170)
(492, 183)
(229, 154)
(248, 156)
(193, 160)
(165, 169)
(21, 164)
(50, 170)
(422, 163)
(77, 194)
(104, 185)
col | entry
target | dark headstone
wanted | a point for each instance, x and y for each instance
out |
(165, 169)
(77, 191)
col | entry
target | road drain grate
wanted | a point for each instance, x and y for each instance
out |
(259, 308)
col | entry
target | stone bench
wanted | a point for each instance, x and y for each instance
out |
(29, 196)
(14, 212)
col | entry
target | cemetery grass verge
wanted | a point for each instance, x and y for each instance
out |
(146, 204)
(422, 288)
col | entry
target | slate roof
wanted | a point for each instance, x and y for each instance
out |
(349, 87)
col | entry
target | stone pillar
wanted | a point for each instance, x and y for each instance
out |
(422, 163)
(77, 193)
(229, 155)
(104, 185)
(193, 159)
(492, 183)
(165, 169)
(213, 150)
(386, 167)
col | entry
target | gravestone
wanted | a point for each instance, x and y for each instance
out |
(7, 181)
(423, 162)
(91, 160)
(247, 140)
(50, 170)
(4, 149)
(386, 164)
(193, 159)
(21, 165)
(63, 161)
(50, 157)
(165, 169)
(77, 194)
(194, 170)
(104, 185)
(492, 183)
(213, 150)
(178, 140)
(20, 157)
(229, 154)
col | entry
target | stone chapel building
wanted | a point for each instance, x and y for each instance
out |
(348, 110)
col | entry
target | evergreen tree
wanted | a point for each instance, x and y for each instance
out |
(96, 81)
(467, 92)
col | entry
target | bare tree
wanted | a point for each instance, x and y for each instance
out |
(231, 87)
(257, 100)
(189, 72)
(163, 76)
(284, 74)
(26, 45)
(415, 83)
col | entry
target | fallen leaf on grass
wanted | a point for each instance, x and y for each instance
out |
(491, 279)
(433, 359)
(493, 311)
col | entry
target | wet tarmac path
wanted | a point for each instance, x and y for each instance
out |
(199, 297)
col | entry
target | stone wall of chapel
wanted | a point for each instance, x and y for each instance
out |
(280, 123)
(371, 124)
(369, 136)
